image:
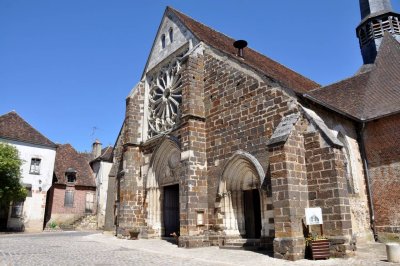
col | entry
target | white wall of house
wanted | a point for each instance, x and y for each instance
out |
(102, 170)
(34, 206)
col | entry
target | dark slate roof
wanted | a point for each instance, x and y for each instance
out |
(13, 127)
(67, 157)
(369, 94)
(265, 65)
(106, 155)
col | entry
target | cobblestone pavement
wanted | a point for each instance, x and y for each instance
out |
(93, 248)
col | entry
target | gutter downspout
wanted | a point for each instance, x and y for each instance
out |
(360, 134)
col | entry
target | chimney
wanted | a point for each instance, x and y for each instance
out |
(240, 45)
(96, 149)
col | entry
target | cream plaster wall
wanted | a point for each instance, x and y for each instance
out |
(34, 206)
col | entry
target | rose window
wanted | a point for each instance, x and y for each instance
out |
(165, 98)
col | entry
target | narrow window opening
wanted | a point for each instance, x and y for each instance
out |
(163, 41)
(171, 35)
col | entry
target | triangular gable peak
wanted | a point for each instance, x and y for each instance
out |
(171, 36)
(190, 32)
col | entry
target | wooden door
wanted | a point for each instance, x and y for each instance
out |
(252, 213)
(171, 210)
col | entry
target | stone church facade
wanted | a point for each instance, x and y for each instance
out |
(223, 145)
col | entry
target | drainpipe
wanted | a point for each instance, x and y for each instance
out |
(360, 134)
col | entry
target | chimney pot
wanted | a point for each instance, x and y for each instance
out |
(240, 45)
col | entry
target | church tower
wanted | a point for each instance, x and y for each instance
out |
(377, 16)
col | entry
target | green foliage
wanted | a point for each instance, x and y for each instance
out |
(53, 225)
(10, 174)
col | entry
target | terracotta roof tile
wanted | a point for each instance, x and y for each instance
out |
(68, 157)
(13, 127)
(367, 95)
(267, 66)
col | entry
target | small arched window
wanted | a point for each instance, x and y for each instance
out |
(163, 41)
(171, 35)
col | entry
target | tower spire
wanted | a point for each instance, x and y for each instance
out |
(377, 16)
(370, 7)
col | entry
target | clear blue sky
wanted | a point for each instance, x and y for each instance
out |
(67, 66)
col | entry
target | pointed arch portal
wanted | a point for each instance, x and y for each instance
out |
(162, 189)
(241, 198)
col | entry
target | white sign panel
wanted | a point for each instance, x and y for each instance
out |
(313, 216)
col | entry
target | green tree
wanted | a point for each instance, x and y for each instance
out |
(10, 173)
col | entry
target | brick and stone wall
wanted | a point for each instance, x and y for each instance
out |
(358, 198)
(242, 109)
(62, 214)
(382, 143)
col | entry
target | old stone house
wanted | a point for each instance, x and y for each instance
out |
(223, 145)
(38, 154)
(101, 163)
(73, 192)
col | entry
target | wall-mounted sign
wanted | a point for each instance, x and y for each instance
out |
(313, 216)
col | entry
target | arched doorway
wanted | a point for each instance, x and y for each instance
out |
(241, 198)
(162, 189)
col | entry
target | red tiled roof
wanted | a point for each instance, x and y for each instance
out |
(267, 66)
(68, 157)
(369, 95)
(13, 127)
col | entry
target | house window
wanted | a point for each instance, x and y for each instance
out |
(70, 175)
(16, 209)
(69, 198)
(71, 178)
(163, 41)
(171, 35)
(35, 166)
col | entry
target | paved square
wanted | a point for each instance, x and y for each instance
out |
(93, 248)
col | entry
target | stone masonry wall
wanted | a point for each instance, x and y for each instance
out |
(382, 143)
(328, 189)
(242, 109)
(360, 216)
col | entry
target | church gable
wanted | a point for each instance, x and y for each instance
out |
(171, 36)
